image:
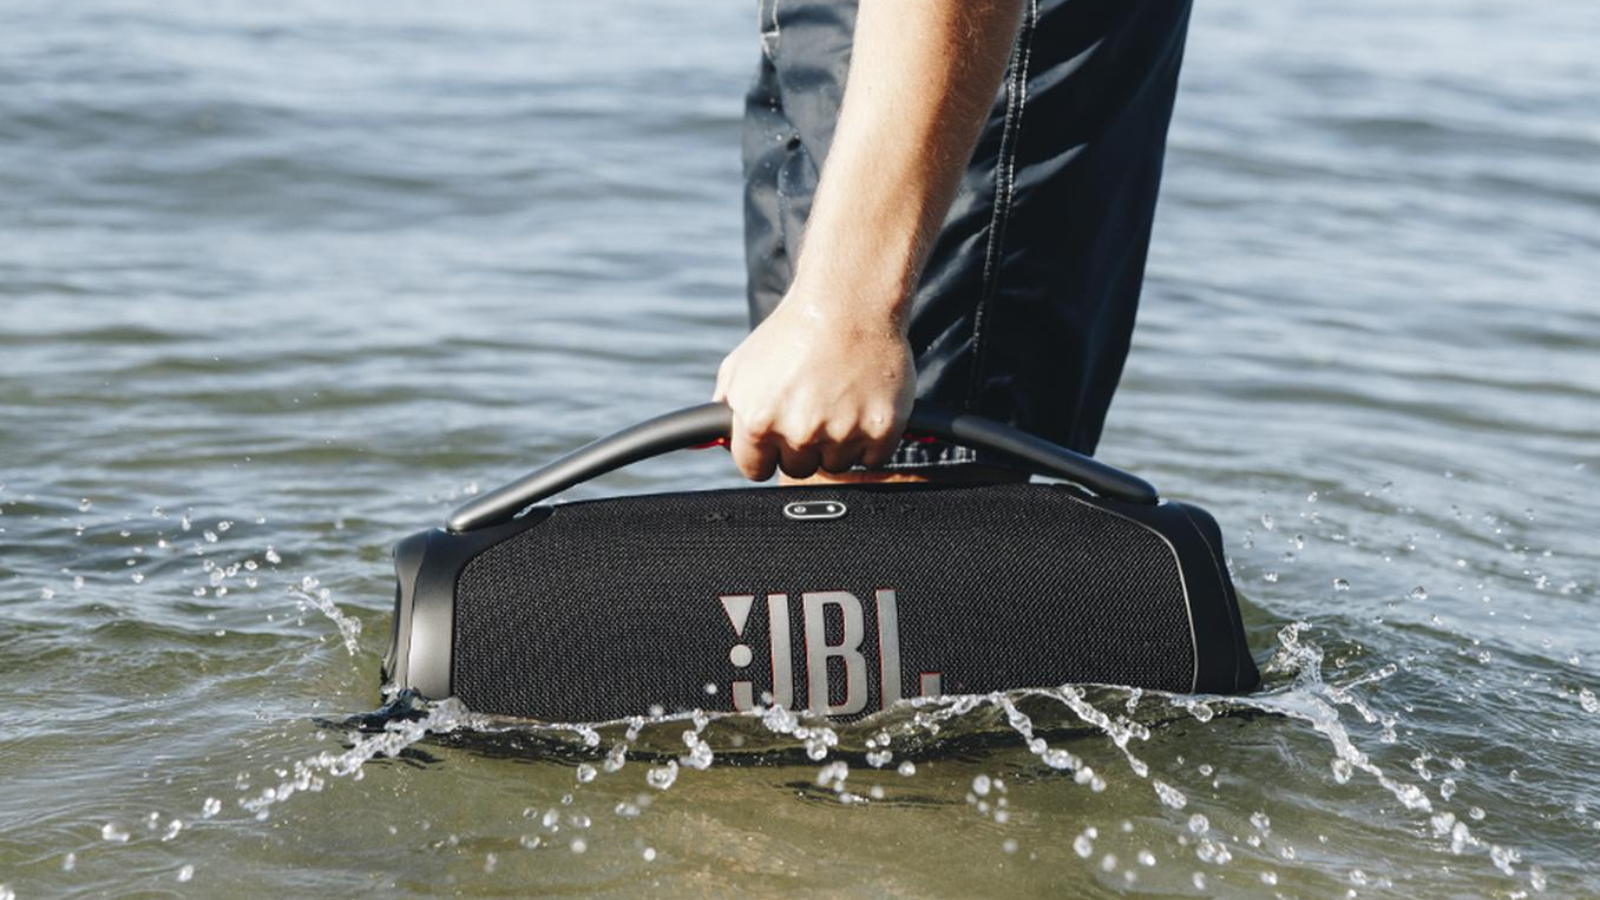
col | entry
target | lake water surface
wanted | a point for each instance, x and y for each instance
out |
(283, 283)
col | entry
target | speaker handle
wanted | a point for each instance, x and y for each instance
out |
(711, 422)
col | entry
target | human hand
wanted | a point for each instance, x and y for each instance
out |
(813, 387)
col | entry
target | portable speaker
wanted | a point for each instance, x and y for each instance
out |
(840, 600)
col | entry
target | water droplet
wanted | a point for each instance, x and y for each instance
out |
(907, 768)
(981, 785)
(70, 862)
(662, 777)
(272, 556)
(211, 807)
(1504, 858)
(138, 577)
(1588, 701)
(1211, 851)
(1267, 521)
(1199, 824)
(1146, 858)
(586, 773)
(1340, 584)
(84, 504)
(579, 845)
(649, 854)
(1170, 795)
(187, 872)
(833, 774)
(1057, 758)
(1419, 593)
(1269, 878)
(1261, 822)
(1009, 846)
(1083, 846)
(111, 831)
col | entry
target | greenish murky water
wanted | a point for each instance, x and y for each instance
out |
(282, 284)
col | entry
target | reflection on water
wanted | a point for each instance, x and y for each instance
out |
(283, 284)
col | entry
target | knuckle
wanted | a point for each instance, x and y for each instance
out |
(878, 425)
(760, 423)
(841, 429)
(803, 432)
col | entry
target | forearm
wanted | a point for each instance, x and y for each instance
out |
(827, 380)
(923, 75)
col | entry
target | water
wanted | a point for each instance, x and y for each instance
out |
(284, 283)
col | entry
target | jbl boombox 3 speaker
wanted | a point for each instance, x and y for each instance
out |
(840, 600)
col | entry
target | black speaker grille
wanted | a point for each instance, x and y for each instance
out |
(608, 607)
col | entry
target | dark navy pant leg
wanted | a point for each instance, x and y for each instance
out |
(1027, 303)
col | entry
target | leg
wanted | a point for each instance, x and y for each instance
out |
(1026, 306)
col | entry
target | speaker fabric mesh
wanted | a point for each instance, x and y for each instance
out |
(604, 608)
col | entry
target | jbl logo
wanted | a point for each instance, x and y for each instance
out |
(815, 609)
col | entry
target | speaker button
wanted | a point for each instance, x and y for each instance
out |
(805, 510)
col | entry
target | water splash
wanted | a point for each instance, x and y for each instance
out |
(310, 592)
(398, 734)
(883, 741)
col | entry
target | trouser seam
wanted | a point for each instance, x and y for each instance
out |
(1005, 187)
(767, 24)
